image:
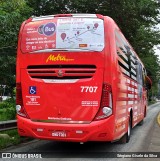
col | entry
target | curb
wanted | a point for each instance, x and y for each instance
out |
(158, 118)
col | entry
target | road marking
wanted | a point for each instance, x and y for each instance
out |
(158, 118)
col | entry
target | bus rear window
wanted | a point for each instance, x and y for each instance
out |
(63, 34)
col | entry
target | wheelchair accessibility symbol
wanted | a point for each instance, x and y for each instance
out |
(32, 90)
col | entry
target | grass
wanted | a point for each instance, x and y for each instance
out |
(13, 140)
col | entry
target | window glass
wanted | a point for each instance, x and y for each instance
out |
(63, 33)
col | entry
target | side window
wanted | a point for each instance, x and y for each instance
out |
(126, 56)
(123, 60)
(140, 79)
(139, 74)
(144, 77)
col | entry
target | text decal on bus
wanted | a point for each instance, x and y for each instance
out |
(58, 57)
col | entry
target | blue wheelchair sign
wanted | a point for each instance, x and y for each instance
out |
(32, 90)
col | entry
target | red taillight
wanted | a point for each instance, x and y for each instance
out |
(106, 103)
(19, 101)
(106, 100)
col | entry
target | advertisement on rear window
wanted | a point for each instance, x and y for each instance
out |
(63, 33)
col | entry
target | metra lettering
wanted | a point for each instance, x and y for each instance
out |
(58, 58)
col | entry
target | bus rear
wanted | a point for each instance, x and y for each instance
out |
(61, 92)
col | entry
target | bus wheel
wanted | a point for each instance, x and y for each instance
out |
(126, 137)
(141, 123)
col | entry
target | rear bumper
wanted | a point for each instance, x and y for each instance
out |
(95, 131)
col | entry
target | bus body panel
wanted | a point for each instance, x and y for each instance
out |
(95, 131)
(65, 109)
(76, 99)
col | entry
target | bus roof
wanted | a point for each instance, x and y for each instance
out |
(66, 15)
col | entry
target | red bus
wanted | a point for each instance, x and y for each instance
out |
(78, 79)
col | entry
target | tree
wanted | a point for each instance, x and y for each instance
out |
(12, 13)
(49, 7)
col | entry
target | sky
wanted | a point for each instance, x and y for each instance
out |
(157, 48)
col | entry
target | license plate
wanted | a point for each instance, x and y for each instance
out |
(61, 134)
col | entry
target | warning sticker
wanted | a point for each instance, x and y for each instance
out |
(89, 103)
(32, 100)
(32, 89)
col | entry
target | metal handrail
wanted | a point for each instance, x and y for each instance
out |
(8, 125)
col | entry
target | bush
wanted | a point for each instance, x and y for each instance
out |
(9, 103)
(8, 110)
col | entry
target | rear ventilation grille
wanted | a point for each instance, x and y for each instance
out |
(61, 71)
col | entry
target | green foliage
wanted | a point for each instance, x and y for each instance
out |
(9, 103)
(49, 7)
(8, 110)
(12, 14)
(13, 140)
(14, 91)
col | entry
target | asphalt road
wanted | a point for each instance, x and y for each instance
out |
(66, 151)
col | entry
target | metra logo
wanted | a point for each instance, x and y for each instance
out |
(47, 29)
(59, 57)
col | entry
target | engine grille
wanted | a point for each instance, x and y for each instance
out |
(61, 71)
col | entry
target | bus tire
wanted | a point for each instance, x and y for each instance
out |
(125, 138)
(141, 123)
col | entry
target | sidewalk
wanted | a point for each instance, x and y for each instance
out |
(155, 138)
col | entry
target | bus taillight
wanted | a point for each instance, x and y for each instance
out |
(106, 103)
(19, 101)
